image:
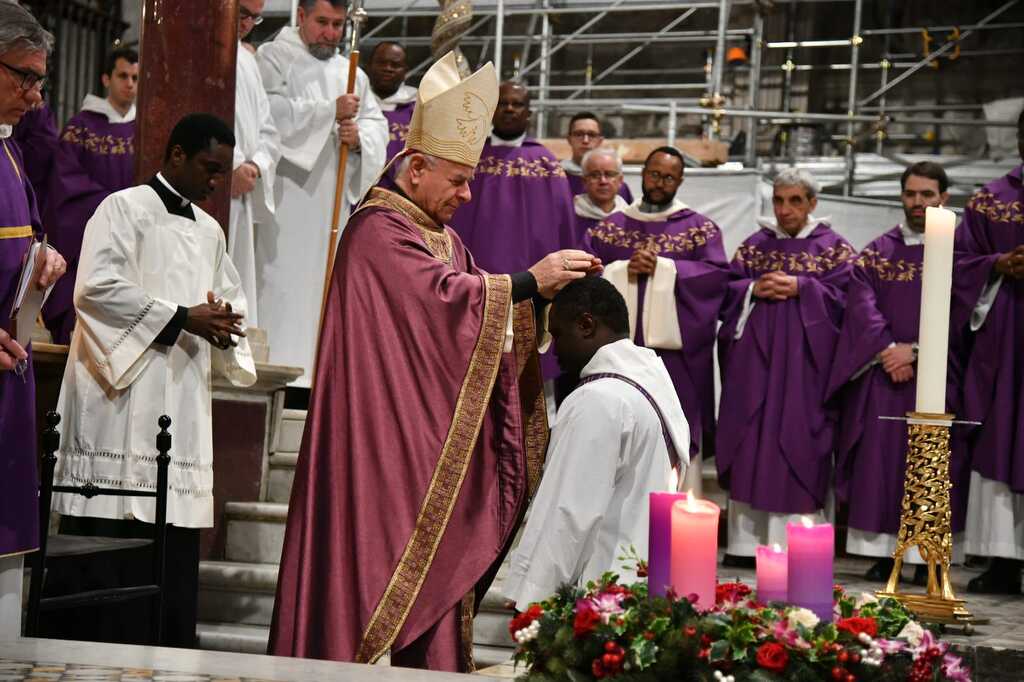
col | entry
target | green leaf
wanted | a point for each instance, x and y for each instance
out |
(719, 650)
(645, 652)
(659, 625)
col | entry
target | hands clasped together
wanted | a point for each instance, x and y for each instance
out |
(215, 322)
(1011, 264)
(776, 286)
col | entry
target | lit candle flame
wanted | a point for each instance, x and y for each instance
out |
(691, 502)
(776, 548)
(806, 520)
(673, 481)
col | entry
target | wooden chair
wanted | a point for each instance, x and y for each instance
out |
(73, 545)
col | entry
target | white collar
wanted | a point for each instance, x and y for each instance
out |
(911, 238)
(404, 95)
(6, 131)
(163, 181)
(633, 211)
(586, 208)
(805, 231)
(101, 105)
(498, 142)
(571, 167)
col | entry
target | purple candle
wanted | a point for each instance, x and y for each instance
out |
(811, 555)
(659, 540)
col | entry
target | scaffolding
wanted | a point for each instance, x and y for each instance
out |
(527, 56)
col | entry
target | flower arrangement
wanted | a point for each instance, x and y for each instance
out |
(611, 631)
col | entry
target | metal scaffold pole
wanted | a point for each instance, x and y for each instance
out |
(754, 87)
(499, 36)
(851, 111)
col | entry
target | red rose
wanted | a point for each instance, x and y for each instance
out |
(524, 619)
(772, 656)
(586, 621)
(730, 592)
(855, 626)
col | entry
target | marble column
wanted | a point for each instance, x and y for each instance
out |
(187, 65)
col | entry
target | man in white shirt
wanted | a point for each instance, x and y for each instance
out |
(387, 68)
(160, 308)
(306, 80)
(617, 437)
(256, 154)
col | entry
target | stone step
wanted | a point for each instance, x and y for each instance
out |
(491, 629)
(237, 593)
(255, 531)
(245, 639)
(289, 438)
(281, 476)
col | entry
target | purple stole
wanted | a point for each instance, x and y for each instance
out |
(398, 128)
(775, 437)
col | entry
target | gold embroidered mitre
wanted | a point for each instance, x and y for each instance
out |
(452, 118)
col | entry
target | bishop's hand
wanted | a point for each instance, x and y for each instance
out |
(10, 352)
(215, 322)
(557, 269)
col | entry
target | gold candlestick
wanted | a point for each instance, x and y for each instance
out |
(926, 522)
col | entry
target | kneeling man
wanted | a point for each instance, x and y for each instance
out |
(617, 438)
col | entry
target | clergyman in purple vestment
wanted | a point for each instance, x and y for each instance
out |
(990, 254)
(780, 324)
(386, 68)
(36, 136)
(23, 54)
(522, 206)
(874, 377)
(96, 158)
(585, 135)
(669, 263)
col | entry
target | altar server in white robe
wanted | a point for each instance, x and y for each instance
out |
(306, 78)
(256, 155)
(160, 308)
(617, 438)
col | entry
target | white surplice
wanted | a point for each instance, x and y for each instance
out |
(138, 264)
(291, 250)
(101, 105)
(256, 141)
(607, 453)
(404, 95)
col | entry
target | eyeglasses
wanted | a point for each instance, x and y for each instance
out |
(583, 134)
(659, 179)
(30, 80)
(597, 176)
(244, 14)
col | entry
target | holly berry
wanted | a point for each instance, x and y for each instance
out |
(608, 660)
(843, 657)
(597, 669)
(610, 646)
(850, 678)
(855, 658)
(690, 631)
(838, 674)
(648, 635)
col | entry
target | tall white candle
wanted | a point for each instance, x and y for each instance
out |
(936, 288)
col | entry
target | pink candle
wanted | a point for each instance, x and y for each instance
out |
(695, 549)
(659, 541)
(771, 574)
(811, 555)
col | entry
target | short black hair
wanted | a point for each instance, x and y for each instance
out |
(585, 116)
(307, 5)
(514, 83)
(926, 169)
(671, 151)
(597, 296)
(383, 43)
(125, 53)
(194, 133)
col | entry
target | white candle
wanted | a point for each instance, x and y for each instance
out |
(936, 287)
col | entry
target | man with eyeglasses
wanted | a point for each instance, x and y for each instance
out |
(96, 158)
(306, 77)
(523, 206)
(387, 68)
(24, 48)
(585, 135)
(780, 326)
(257, 150)
(668, 262)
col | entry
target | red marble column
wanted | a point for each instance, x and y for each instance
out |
(187, 65)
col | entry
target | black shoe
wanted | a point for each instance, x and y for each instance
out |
(734, 561)
(880, 572)
(921, 575)
(1002, 577)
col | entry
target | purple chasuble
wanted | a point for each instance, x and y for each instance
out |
(883, 307)
(576, 187)
(36, 137)
(96, 158)
(398, 128)
(775, 437)
(19, 483)
(993, 224)
(694, 244)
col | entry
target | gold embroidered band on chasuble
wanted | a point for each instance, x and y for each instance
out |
(446, 483)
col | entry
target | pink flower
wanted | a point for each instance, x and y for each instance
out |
(607, 605)
(952, 668)
(928, 642)
(890, 646)
(789, 636)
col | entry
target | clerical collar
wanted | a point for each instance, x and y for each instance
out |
(6, 131)
(406, 94)
(498, 142)
(910, 237)
(571, 167)
(173, 201)
(805, 231)
(636, 210)
(102, 106)
(586, 208)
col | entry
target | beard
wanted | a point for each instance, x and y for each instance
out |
(323, 51)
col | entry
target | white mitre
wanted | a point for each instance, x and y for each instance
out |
(452, 118)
